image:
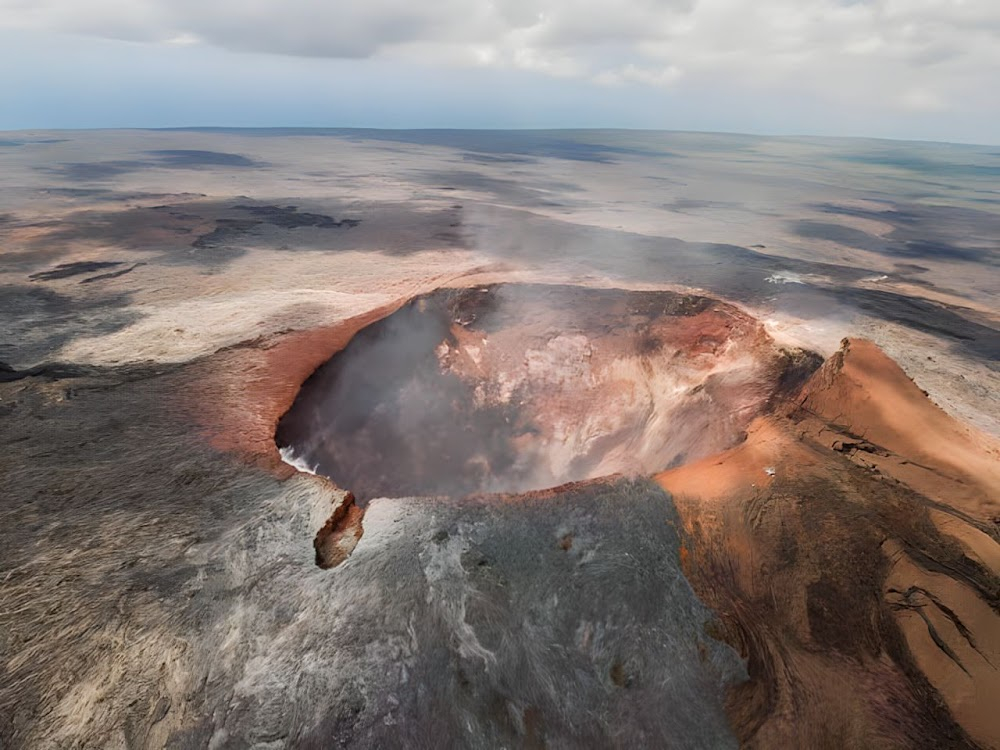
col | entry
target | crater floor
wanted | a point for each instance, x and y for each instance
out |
(516, 387)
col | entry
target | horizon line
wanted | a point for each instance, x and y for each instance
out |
(595, 129)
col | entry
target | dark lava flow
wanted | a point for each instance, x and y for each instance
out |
(516, 387)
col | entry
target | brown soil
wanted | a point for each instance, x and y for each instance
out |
(849, 548)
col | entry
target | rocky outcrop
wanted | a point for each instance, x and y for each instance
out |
(340, 534)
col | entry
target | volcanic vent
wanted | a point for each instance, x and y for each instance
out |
(510, 388)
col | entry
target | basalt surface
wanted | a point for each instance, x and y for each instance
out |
(816, 565)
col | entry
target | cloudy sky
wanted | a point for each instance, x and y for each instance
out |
(927, 69)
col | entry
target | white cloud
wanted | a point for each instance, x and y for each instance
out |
(922, 100)
(632, 73)
(913, 55)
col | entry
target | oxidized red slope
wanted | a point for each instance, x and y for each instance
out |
(850, 549)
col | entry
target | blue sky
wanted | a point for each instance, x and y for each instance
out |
(922, 69)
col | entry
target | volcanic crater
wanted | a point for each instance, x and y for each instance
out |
(510, 388)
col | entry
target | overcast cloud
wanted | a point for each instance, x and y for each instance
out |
(904, 56)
